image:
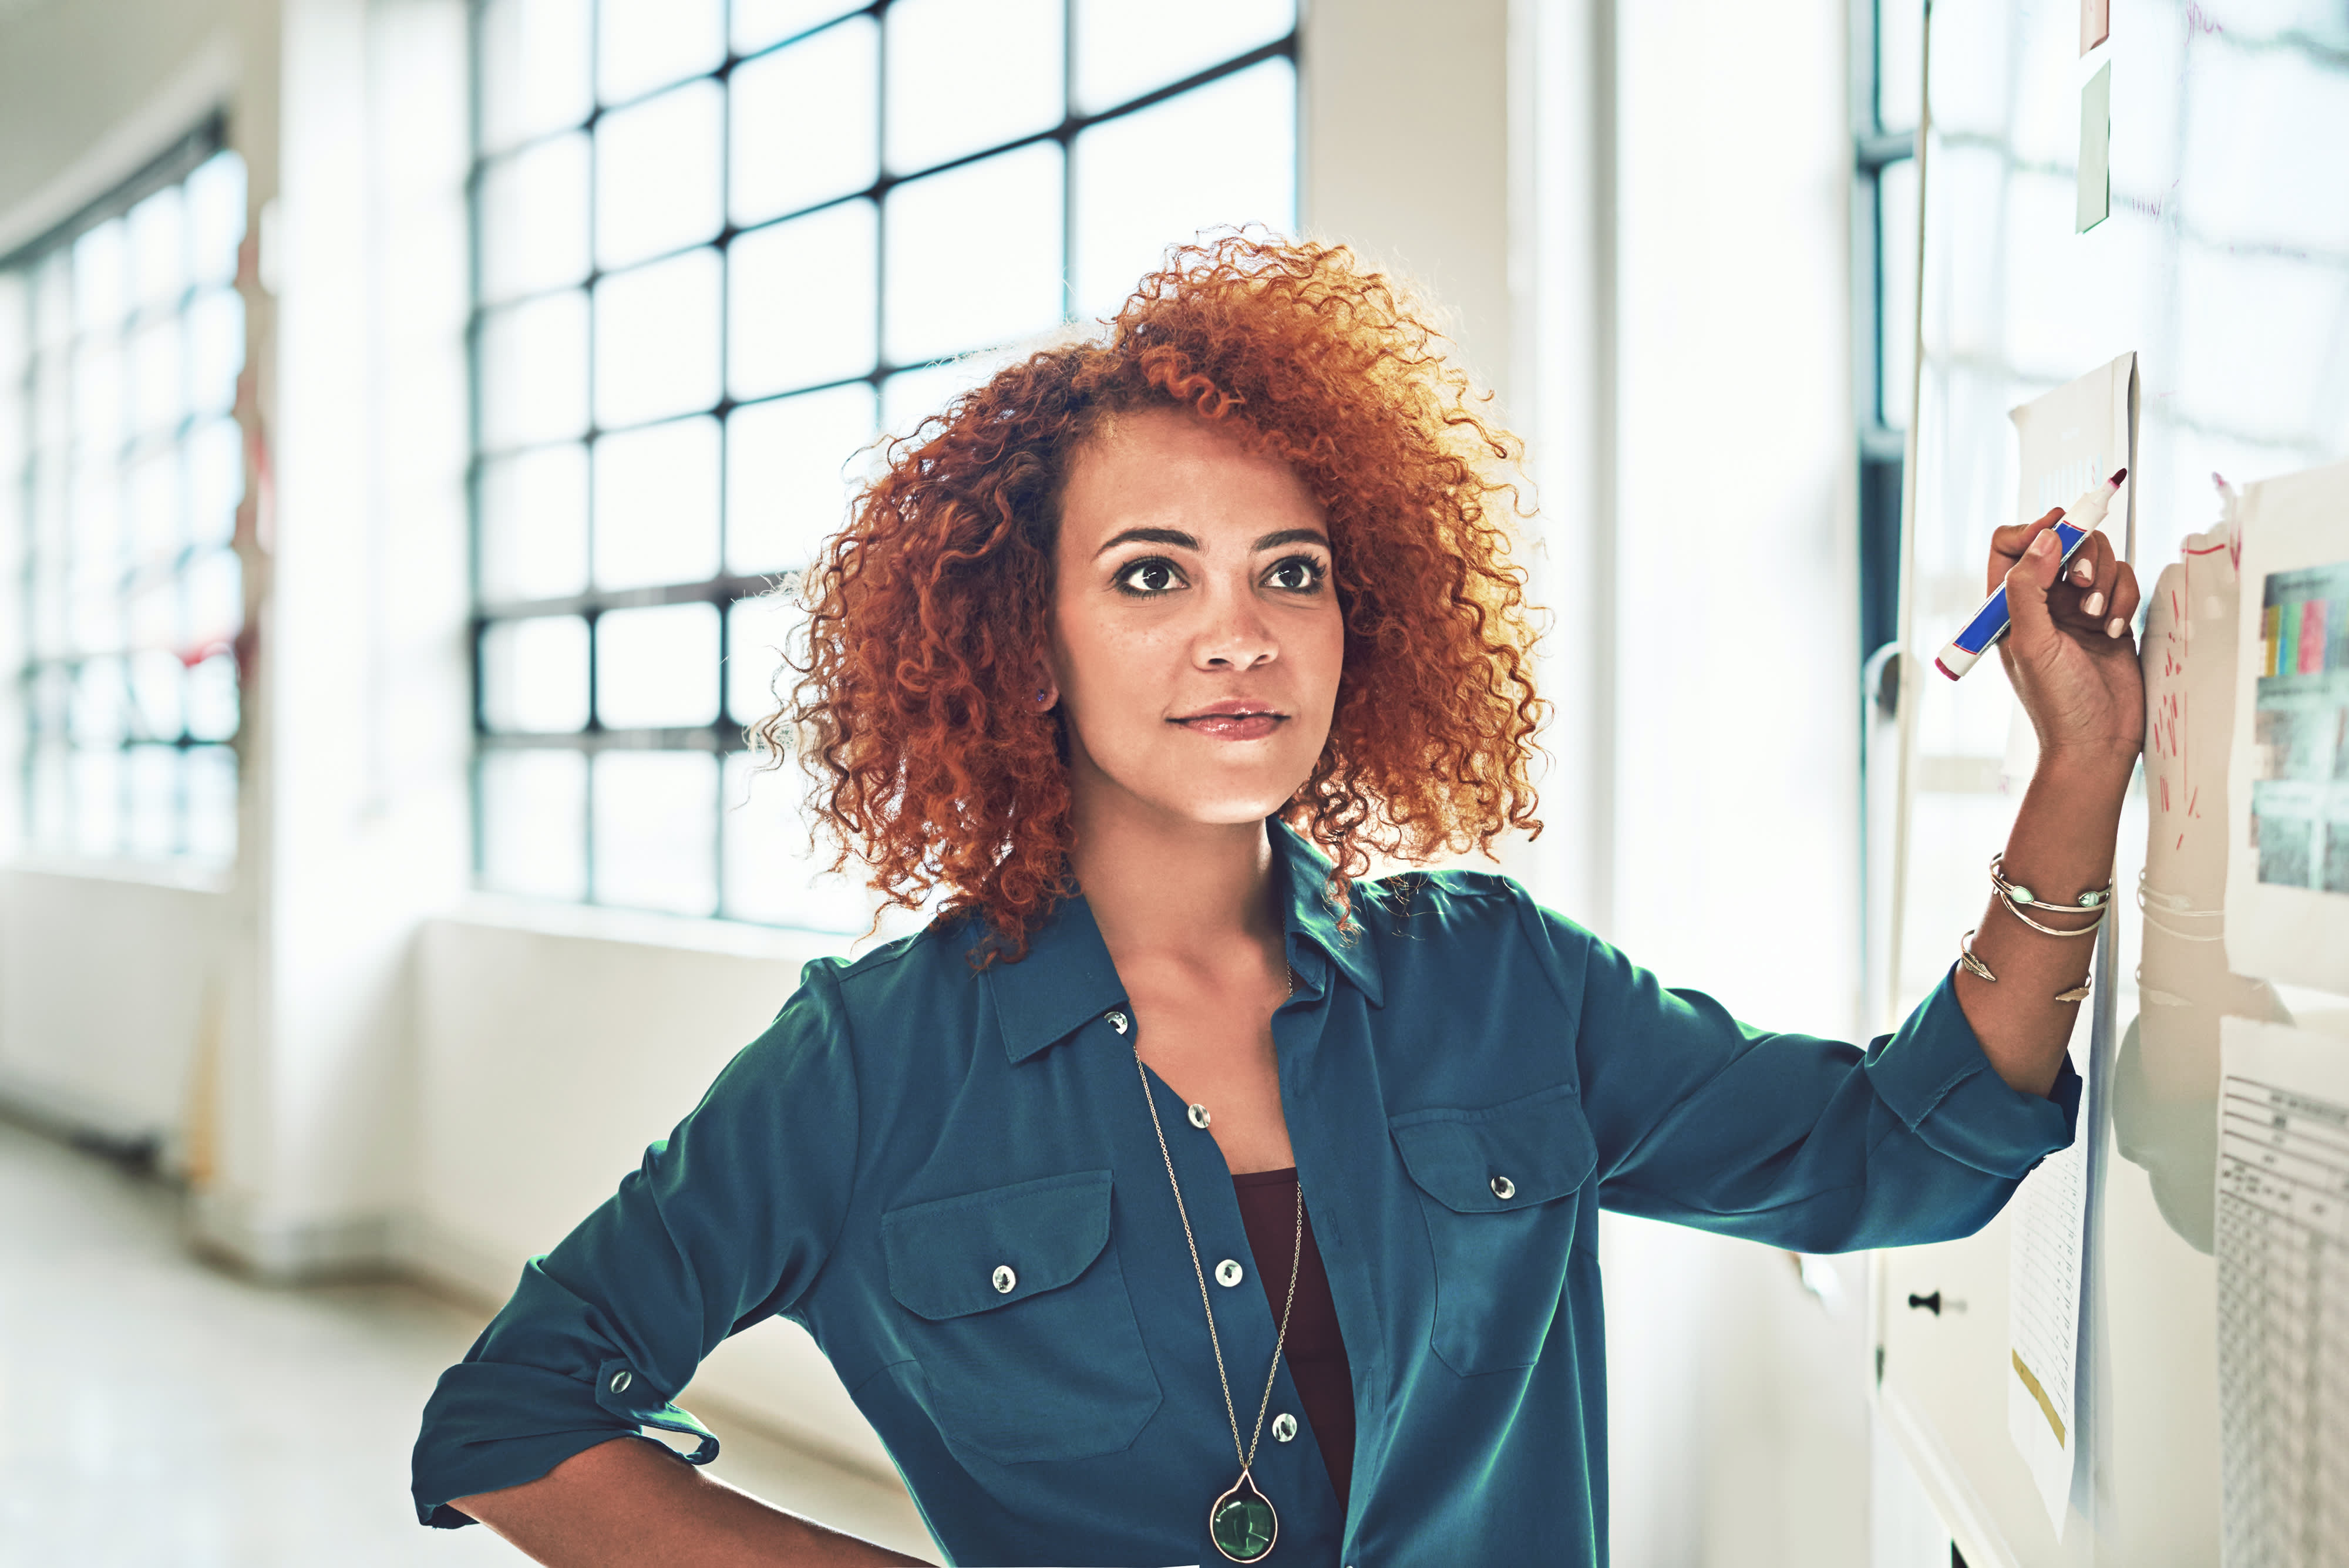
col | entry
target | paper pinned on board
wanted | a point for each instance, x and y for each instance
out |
(2288, 780)
(2283, 1296)
(2096, 190)
(2069, 440)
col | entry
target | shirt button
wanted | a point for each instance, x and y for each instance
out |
(1199, 1117)
(1283, 1426)
(1504, 1188)
(1120, 1022)
(621, 1379)
(1228, 1273)
(1005, 1280)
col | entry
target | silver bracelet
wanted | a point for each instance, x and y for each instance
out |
(1974, 966)
(2016, 893)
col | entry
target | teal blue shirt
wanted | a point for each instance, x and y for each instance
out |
(907, 1127)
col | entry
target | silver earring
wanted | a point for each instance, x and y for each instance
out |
(1041, 694)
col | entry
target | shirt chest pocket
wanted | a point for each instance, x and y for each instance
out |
(1498, 1188)
(1020, 1321)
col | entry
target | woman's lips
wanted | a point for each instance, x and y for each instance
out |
(1234, 726)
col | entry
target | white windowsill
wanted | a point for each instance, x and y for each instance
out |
(644, 927)
(186, 877)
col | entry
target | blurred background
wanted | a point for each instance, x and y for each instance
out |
(404, 405)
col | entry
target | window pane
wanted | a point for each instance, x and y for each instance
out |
(912, 395)
(534, 524)
(657, 505)
(647, 44)
(215, 481)
(533, 371)
(759, 22)
(805, 123)
(969, 74)
(211, 782)
(50, 819)
(215, 602)
(96, 789)
(97, 396)
(759, 634)
(158, 695)
(101, 701)
(1224, 154)
(534, 675)
(155, 497)
(101, 277)
(974, 256)
(215, 218)
(791, 467)
(1128, 47)
(159, 249)
(656, 340)
(159, 381)
(656, 830)
(534, 823)
(533, 219)
(533, 68)
(1896, 218)
(154, 786)
(771, 874)
(1900, 62)
(211, 699)
(657, 668)
(801, 301)
(657, 170)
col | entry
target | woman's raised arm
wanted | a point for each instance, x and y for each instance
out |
(2074, 667)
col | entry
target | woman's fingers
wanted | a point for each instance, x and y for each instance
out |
(2120, 614)
(2007, 544)
(2079, 601)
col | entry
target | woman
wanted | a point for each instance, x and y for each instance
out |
(1174, 1197)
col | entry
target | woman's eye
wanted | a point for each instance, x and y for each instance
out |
(1150, 576)
(1299, 573)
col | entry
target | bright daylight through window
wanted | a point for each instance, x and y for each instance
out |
(121, 336)
(716, 256)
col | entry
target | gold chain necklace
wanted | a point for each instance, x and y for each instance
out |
(1241, 1521)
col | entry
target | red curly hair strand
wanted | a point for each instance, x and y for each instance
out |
(914, 712)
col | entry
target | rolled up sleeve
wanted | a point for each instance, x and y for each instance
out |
(726, 1222)
(1792, 1139)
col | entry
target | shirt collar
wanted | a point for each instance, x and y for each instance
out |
(1067, 978)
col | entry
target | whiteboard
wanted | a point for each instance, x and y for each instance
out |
(2223, 266)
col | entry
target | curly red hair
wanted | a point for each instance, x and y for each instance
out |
(915, 711)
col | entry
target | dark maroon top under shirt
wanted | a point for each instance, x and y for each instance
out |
(1314, 1351)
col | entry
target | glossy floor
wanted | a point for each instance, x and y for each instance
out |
(162, 1413)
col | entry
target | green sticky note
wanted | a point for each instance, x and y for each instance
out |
(2095, 203)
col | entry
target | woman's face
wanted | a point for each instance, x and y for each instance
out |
(1195, 642)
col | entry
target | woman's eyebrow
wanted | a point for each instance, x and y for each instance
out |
(1174, 536)
(1182, 541)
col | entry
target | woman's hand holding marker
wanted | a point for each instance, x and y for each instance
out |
(2069, 654)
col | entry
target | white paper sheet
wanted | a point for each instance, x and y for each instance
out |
(2070, 438)
(2284, 1297)
(2288, 783)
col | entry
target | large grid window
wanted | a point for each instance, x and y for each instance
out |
(718, 250)
(1887, 65)
(121, 337)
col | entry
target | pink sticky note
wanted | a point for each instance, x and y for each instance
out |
(2096, 23)
(2312, 636)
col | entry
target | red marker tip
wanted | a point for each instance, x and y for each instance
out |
(2118, 474)
(1945, 669)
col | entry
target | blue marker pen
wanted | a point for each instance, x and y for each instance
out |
(1991, 621)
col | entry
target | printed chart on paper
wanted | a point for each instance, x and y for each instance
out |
(2284, 1297)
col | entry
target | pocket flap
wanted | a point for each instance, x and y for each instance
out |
(1534, 1149)
(944, 1257)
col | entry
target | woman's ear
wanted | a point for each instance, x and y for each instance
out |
(1048, 691)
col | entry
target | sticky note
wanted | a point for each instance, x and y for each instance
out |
(2095, 201)
(2096, 23)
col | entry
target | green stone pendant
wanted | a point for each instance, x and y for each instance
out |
(1242, 1523)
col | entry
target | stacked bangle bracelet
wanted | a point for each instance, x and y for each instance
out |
(2017, 898)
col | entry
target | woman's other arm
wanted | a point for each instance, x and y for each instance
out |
(625, 1502)
(2074, 666)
